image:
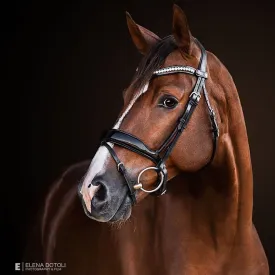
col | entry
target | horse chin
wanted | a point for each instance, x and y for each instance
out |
(122, 215)
(124, 211)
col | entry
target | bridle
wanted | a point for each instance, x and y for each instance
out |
(132, 143)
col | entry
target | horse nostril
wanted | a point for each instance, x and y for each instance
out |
(97, 183)
(101, 193)
(99, 200)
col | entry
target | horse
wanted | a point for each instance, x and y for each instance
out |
(170, 189)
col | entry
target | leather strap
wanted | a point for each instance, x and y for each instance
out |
(214, 124)
(182, 124)
(121, 168)
(132, 143)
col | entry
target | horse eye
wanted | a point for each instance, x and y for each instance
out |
(169, 102)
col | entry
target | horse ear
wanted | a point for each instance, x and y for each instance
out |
(181, 30)
(142, 38)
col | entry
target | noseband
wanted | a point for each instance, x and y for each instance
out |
(158, 157)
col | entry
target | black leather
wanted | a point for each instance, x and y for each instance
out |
(132, 143)
(123, 171)
(159, 157)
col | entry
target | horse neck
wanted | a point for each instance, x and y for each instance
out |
(233, 154)
(216, 203)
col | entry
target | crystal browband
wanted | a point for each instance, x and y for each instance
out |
(180, 69)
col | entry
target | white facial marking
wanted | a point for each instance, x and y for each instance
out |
(132, 102)
(102, 155)
(95, 167)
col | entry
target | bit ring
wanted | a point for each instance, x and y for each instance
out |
(159, 185)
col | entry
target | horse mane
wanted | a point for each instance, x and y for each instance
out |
(153, 60)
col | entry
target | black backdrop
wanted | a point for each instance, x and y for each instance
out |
(69, 61)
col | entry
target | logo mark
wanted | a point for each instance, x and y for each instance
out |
(17, 266)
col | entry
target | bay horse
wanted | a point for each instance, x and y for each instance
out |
(170, 189)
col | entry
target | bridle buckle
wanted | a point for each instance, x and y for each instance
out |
(118, 166)
(195, 96)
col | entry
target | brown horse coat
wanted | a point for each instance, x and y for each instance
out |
(203, 225)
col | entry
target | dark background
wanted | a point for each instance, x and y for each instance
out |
(68, 63)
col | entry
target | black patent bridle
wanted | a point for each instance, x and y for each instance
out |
(132, 143)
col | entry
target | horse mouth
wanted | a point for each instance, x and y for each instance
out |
(124, 211)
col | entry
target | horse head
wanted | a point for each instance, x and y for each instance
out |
(166, 127)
